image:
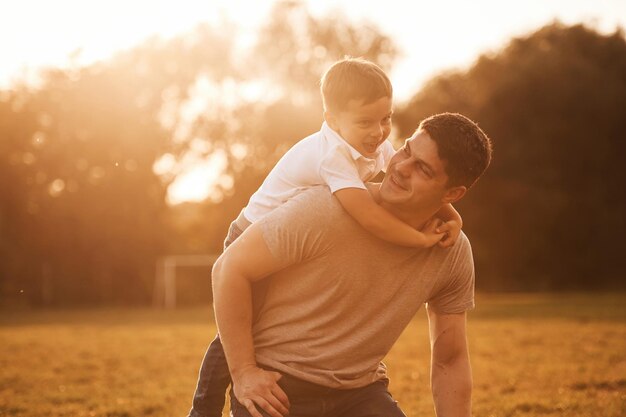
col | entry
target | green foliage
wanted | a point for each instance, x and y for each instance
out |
(549, 213)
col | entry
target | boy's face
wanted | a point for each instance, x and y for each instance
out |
(364, 126)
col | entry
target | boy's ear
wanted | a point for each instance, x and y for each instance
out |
(454, 194)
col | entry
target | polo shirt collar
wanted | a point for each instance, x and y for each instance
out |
(334, 137)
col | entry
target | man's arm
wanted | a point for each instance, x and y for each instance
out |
(247, 260)
(450, 372)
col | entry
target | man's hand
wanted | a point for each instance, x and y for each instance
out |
(451, 230)
(257, 386)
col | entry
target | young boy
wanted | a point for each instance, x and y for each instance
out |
(350, 149)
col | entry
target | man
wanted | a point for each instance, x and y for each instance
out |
(339, 298)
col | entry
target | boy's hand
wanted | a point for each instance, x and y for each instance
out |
(431, 233)
(451, 230)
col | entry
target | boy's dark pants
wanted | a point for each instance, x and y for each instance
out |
(214, 378)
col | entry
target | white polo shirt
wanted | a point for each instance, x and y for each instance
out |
(322, 158)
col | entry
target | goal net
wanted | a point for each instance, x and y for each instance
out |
(165, 278)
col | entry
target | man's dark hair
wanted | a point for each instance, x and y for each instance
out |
(463, 145)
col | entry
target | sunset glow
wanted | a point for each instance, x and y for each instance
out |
(432, 36)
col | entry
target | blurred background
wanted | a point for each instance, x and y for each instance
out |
(130, 132)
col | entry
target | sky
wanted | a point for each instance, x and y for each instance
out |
(432, 36)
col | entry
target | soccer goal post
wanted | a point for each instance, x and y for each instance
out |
(165, 277)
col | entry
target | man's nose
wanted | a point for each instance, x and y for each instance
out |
(404, 167)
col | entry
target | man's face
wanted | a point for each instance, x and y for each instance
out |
(364, 126)
(416, 176)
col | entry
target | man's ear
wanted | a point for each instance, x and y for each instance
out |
(454, 194)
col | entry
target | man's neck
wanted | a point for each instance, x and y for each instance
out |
(415, 218)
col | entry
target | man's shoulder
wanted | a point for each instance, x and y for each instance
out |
(302, 228)
(313, 207)
(316, 199)
(461, 251)
(454, 259)
(463, 241)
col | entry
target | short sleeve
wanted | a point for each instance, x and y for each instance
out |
(297, 230)
(388, 152)
(456, 295)
(339, 171)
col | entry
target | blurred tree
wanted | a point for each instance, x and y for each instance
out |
(549, 213)
(82, 211)
(284, 67)
(86, 158)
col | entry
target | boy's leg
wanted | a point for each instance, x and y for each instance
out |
(214, 378)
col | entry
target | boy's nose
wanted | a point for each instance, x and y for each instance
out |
(378, 132)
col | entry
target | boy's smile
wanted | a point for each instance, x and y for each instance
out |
(364, 126)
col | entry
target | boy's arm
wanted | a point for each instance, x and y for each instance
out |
(382, 224)
(451, 227)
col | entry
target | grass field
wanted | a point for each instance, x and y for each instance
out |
(532, 355)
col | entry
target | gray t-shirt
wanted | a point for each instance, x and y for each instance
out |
(344, 297)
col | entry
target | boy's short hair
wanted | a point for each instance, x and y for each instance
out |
(462, 144)
(353, 79)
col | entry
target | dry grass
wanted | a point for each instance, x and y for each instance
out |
(532, 355)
